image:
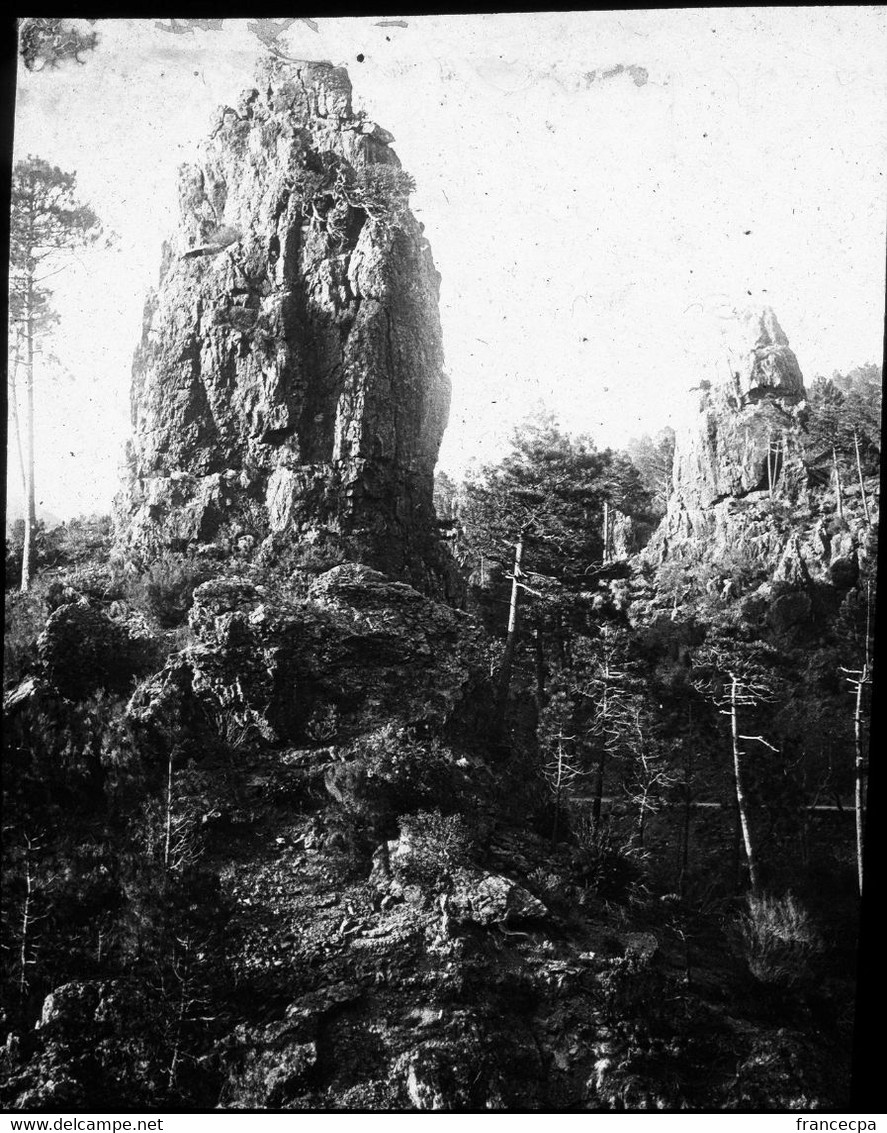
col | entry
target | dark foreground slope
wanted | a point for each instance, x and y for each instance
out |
(292, 871)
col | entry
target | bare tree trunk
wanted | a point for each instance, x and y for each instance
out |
(180, 1018)
(168, 836)
(685, 832)
(736, 851)
(606, 532)
(839, 496)
(770, 463)
(30, 510)
(601, 765)
(16, 420)
(865, 502)
(557, 805)
(859, 776)
(26, 925)
(511, 638)
(740, 789)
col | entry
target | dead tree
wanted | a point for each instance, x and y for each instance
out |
(651, 777)
(839, 495)
(508, 653)
(180, 839)
(608, 534)
(608, 688)
(865, 502)
(858, 679)
(560, 774)
(30, 916)
(737, 688)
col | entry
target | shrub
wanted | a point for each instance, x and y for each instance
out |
(556, 892)
(334, 194)
(436, 846)
(24, 618)
(15, 540)
(298, 564)
(605, 864)
(85, 539)
(410, 773)
(77, 543)
(165, 591)
(780, 942)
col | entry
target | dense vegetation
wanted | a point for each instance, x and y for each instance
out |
(171, 884)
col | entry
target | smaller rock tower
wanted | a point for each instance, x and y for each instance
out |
(741, 448)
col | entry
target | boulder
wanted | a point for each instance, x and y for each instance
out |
(82, 649)
(488, 899)
(70, 1008)
(369, 648)
(268, 1066)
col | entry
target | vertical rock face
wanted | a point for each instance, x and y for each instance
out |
(290, 381)
(740, 445)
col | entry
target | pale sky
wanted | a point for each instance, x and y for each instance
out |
(592, 225)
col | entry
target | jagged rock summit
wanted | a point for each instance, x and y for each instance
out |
(742, 446)
(289, 384)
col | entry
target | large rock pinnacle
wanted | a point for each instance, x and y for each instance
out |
(289, 382)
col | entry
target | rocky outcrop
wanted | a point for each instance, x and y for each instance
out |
(740, 491)
(360, 652)
(488, 899)
(289, 382)
(742, 442)
(81, 649)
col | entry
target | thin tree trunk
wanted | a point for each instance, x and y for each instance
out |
(859, 786)
(736, 865)
(865, 503)
(510, 640)
(770, 463)
(740, 789)
(601, 765)
(557, 806)
(839, 497)
(30, 510)
(168, 837)
(174, 1062)
(16, 420)
(26, 925)
(606, 532)
(685, 833)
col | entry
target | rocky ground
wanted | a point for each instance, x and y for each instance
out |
(450, 959)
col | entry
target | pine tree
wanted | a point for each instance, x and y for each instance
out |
(46, 43)
(654, 459)
(47, 224)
